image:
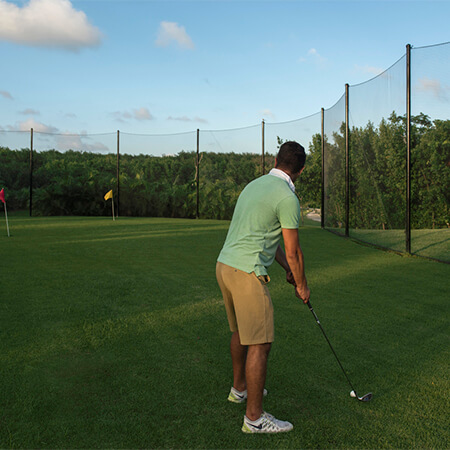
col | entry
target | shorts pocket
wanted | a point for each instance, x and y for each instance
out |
(264, 279)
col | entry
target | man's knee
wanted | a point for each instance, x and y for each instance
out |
(261, 350)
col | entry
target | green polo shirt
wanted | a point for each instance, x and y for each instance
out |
(265, 206)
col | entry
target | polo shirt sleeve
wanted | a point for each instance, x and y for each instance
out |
(289, 212)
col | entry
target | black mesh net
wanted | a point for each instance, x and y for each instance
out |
(159, 175)
(377, 157)
(307, 132)
(229, 160)
(430, 153)
(334, 167)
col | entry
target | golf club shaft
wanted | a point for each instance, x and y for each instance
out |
(329, 343)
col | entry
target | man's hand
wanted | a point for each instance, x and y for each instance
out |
(303, 293)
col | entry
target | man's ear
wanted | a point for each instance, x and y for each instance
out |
(303, 168)
(276, 162)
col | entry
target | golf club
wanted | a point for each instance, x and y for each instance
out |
(364, 398)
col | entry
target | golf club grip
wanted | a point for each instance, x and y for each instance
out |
(313, 312)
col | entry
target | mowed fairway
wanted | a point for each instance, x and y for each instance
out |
(113, 335)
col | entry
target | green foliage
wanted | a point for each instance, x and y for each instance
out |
(431, 181)
(378, 175)
(73, 183)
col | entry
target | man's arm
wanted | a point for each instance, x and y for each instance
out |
(280, 258)
(295, 261)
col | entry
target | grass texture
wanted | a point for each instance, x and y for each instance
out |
(434, 244)
(113, 335)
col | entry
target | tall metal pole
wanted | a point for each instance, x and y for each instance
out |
(347, 162)
(118, 171)
(322, 206)
(408, 149)
(31, 174)
(197, 215)
(263, 159)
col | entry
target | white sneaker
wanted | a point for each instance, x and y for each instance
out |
(236, 396)
(266, 424)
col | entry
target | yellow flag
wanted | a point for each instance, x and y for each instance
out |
(108, 195)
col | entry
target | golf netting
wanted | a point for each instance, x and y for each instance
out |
(377, 158)
(334, 167)
(378, 155)
(430, 155)
(158, 175)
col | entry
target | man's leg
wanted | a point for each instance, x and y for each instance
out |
(238, 358)
(255, 374)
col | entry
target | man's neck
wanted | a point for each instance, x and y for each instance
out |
(285, 175)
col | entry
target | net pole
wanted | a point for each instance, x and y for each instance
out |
(408, 150)
(118, 170)
(197, 214)
(322, 206)
(31, 172)
(263, 158)
(347, 165)
(112, 207)
(6, 217)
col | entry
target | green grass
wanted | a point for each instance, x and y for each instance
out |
(433, 244)
(113, 335)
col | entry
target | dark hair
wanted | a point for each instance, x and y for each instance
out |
(291, 157)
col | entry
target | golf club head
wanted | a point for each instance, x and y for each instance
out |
(366, 398)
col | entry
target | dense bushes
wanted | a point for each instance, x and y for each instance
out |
(74, 183)
(378, 175)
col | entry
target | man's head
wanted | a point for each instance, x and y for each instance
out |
(291, 159)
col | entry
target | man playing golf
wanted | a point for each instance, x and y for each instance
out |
(266, 210)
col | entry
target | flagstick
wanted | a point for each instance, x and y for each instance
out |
(112, 203)
(6, 215)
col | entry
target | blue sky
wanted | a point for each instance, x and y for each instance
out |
(156, 67)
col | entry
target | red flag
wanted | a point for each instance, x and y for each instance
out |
(2, 196)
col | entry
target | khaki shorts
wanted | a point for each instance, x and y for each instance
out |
(248, 304)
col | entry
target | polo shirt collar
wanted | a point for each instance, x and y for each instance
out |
(283, 175)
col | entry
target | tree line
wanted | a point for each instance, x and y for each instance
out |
(74, 183)
(377, 181)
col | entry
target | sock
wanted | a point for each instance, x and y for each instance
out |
(238, 392)
(254, 422)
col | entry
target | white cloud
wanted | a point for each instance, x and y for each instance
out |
(188, 119)
(142, 114)
(67, 141)
(171, 32)
(137, 114)
(434, 87)
(369, 69)
(30, 112)
(52, 137)
(47, 23)
(37, 126)
(267, 113)
(314, 56)
(6, 94)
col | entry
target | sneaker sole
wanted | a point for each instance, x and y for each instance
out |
(235, 400)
